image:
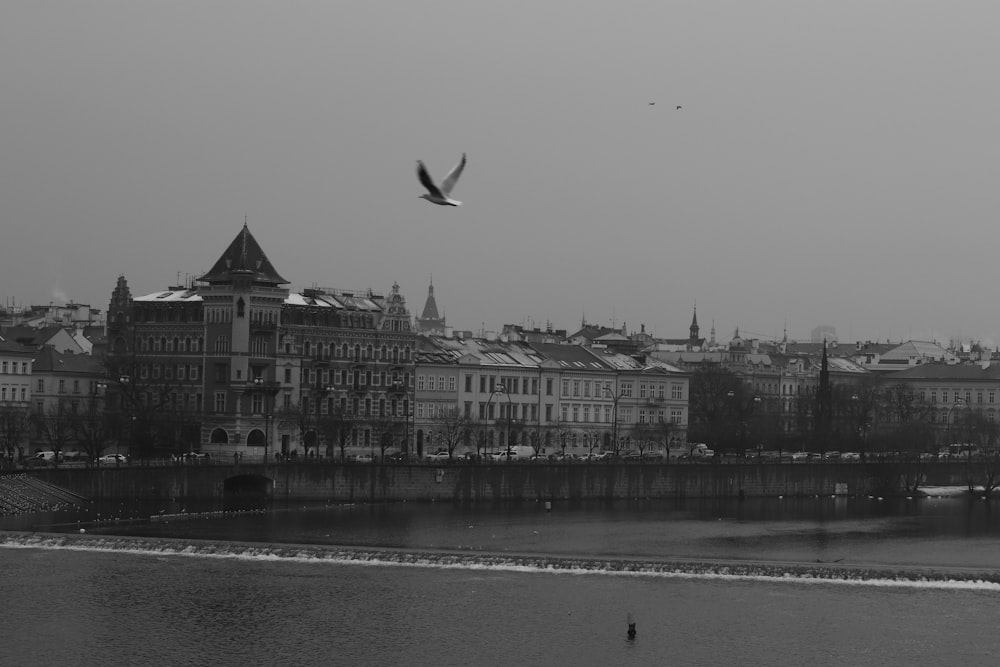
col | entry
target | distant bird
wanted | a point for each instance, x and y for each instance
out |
(436, 195)
(678, 106)
(652, 104)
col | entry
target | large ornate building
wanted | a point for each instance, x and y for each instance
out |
(256, 366)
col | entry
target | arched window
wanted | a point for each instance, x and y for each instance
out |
(219, 437)
(255, 438)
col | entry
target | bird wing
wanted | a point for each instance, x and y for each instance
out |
(425, 180)
(452, 178)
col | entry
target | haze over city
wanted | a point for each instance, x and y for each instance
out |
(830, 163)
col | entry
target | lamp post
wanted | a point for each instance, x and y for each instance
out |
(266, 390)
(125, 382)
(958, 403)
(499, 389)
(614, 416)
(399, 387)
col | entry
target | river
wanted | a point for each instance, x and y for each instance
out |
(819, 581)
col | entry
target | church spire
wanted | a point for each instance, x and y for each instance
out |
(694, 324)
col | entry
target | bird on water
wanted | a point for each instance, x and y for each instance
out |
(440, 195)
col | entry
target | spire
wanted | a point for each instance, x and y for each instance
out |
(244, 256)
(430, 311)
(694, 330)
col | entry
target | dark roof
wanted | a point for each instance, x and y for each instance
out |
(48, 360)
(986, 371)
(576, 356)
(30, 335)
(11, 347)
(244, 257)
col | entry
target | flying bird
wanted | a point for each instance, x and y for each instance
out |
(436, 195)
(678, 106)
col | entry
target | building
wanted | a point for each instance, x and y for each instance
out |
(16, 365)
(68, 402)
(549, 396)
(237, 363)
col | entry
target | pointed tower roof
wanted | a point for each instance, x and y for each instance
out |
(244, 257)
(430, 311)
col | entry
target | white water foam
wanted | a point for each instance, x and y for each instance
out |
(760, 572)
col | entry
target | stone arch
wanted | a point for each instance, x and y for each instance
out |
(255, 438)
(219, 437)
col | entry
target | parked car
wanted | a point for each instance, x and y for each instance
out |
(831, 456)
(439, 455)
(850, 456)
(363, 458)
(799, 457)
(108, 459)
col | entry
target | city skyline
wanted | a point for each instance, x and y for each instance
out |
(829, 164)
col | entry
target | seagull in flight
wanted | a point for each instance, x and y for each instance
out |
(440, 196)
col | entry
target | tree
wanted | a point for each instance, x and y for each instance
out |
(53, 426)
(644, 435)
(296, 418)
(91, 430)
(387, 426)
(717, 395)
(336, 428)
(14, 425)
(453, 427)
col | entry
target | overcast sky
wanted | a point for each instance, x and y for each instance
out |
(832, 162)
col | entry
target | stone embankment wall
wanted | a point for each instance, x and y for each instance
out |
(502, 482)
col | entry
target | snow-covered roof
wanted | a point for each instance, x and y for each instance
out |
(177, 296)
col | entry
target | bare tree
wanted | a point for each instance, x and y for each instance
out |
(14, 425)
(454, 428)
(297, 418)
(387, 427)
(336, 428)
(54, 426)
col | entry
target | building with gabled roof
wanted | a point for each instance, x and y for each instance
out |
(56, 337)
(258, 367)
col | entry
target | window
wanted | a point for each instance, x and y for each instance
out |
(548, 386)
(40, 387)
(565, 387)
(627, 389)
(642, 394)
(675, 416)
(288, 376)
(62, 386)
(420, 382)
(451, 383)
(676, 391)
(576, 389)
(220, 401)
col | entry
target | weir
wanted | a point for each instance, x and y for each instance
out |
(334, 482)
(886, 576)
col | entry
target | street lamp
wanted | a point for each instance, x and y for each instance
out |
(266, 390)
(399, 387)
(500, 389)
(614, 416)
(125, 382)
(958, 403)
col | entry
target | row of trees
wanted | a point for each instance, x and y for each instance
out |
(868, 415)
